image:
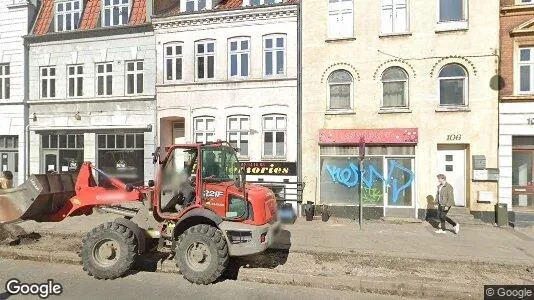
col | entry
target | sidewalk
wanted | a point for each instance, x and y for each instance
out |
(409, 240)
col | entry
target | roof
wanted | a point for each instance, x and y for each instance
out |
(167, 8)
(91, 15)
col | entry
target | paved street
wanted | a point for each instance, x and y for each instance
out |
(77, 285)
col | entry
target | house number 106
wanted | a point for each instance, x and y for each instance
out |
(530, 121)
(454, 137)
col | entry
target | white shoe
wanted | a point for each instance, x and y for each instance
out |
(440, 231)
(457, 228)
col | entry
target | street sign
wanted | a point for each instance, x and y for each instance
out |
(361, 150)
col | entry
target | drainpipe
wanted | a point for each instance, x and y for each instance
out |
(299, 96)
(26, 86)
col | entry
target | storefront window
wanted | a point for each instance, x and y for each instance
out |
(384, 178)
(121, 156)
(62, 153)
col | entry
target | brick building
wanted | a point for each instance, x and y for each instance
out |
(516, 109)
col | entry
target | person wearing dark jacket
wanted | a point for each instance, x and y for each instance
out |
(445, 199)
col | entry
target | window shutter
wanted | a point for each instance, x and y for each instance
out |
(400, 16)
(387, 16)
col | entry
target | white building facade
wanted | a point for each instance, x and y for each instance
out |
(230, 73)
(15, 18)
(92, 92)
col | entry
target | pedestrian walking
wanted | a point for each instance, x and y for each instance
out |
(445, 199)
(6, 181)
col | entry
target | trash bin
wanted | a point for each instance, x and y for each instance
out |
(501, 214)
(309, 211)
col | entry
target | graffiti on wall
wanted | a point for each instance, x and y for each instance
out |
(349, 176)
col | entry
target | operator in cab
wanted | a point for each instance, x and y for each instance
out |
(210, 166)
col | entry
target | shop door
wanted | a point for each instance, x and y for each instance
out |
(178, 132)
(523, 180)
(451, 163)
(9, 162)
(400, 182)
(50, 162)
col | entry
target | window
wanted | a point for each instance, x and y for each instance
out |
(274, 55)
(525, 1)
(394, 16)
(526, 69)
(48, 82)
(116, 12)
(173, 61)
(195, 5)
(205, 56)
(452, 85)
(68, 14)
(340, 90)
(121, 156)
(104, 79)
(238, 127)
(5, 86)
(394, 87)
(340, 19)
(62, 153)
(75, 81)
(134, 77)
(274, 136)
(452, 10)
(204, 129)
(260, 2)
(239, 57)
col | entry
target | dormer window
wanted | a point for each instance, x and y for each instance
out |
(116, 12)
(68, 14)
(260, 2)
(195, 5)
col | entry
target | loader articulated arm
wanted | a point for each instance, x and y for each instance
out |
(53, 197)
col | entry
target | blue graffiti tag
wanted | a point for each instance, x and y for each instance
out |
(350, 177)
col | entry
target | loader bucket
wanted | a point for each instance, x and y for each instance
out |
(40, 195)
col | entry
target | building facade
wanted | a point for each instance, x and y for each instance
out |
(228, 70)
(92, 72)
(411, 80)
(15, 19)
(516, 118)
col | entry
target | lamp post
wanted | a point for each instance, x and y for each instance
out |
(361, 150)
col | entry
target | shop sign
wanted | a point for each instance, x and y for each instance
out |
(490, 174)
(479, 162)
(270, 168)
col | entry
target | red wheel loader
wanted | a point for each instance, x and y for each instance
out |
(199, 204)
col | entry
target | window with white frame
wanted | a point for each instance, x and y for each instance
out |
(340, 90)
(68, 14)
(239, 57)
(205, 59)
(274, 53)
(204, 129)
(274, 136)
(48, 82)
(134, 77)
(340, 19)
(195, 5)
(116, 12)
(394, 16)
(237, 129)
(5, 85)
(104, 79)
(173, 61)
(394, 87)
(75, 81)
(526, 70)
(260, 2)
(453, 85)
(452, 10)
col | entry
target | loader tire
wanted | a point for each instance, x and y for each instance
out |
(202, 254)
(109, 251)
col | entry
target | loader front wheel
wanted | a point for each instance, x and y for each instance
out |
(202, 254)
(109, 251)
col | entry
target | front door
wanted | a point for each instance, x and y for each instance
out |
(523, 180)
(451, 163)
(178, 132)
(50, 163)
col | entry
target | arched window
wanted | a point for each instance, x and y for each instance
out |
(452, 85)
(340, 90)
(394, 87)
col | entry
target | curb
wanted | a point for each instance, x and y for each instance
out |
(357, 284)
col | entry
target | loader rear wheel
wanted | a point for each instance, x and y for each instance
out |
(109, 251)
(202, 254)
